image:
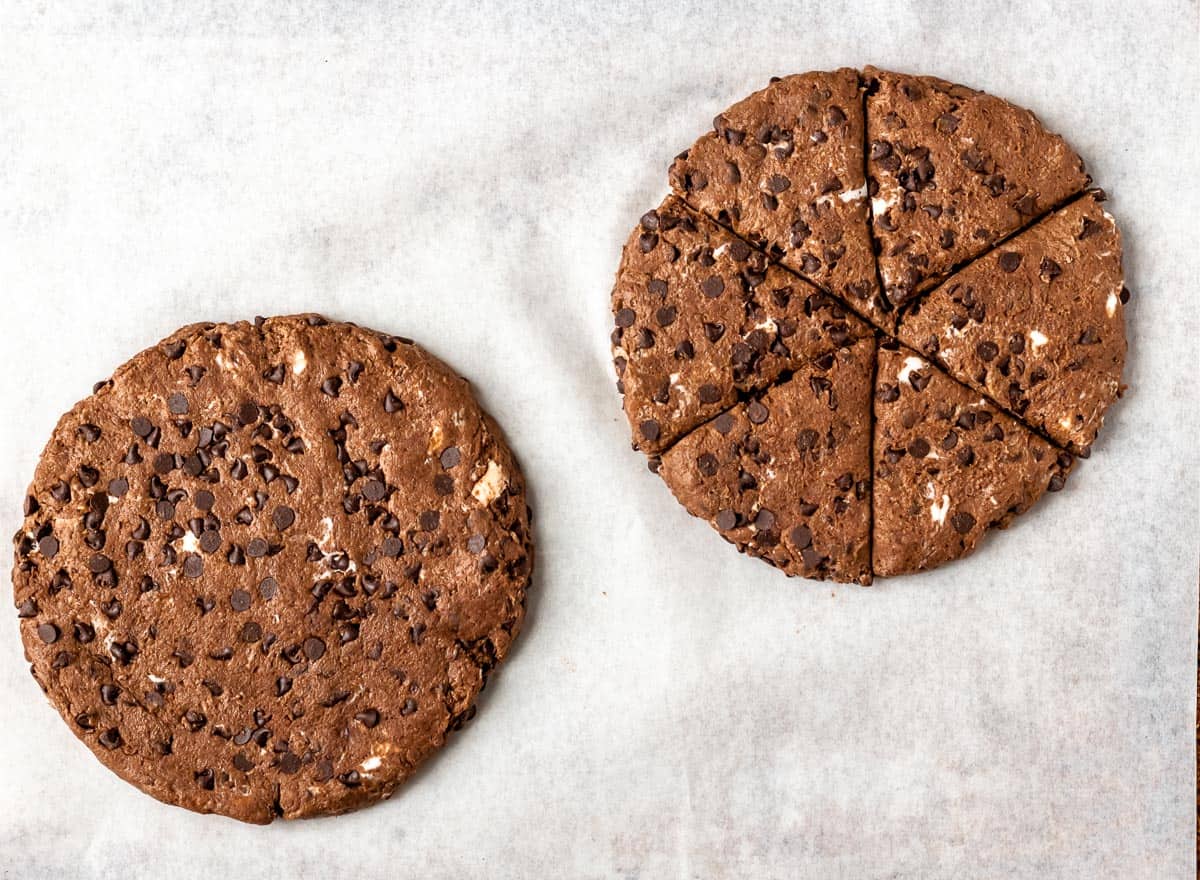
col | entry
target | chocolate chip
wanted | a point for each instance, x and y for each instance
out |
(707, 464)
(963, 522)
(247, 413)
(987, 350)
(251, 632)
(777, 183)
(89, 433)
(177, 404)
(48, 633)
(367, 718)
(726, 519)
(764, 520)
(193, 566)
(48, 546)
(723, 423)
(918, 448)
(392, 403)
(649, 429)
(314, 648)
(713, 286)
(625, 318)
(756, 412)
(1009, 261)
(374, 490)
(709, 394)
(801, 537)
(239, 600)
(110, 739)
(283, 517)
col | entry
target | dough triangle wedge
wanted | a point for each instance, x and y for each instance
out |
(952, 171)
(949, 465)
(701, 317)
(785, 476)
(783, 168)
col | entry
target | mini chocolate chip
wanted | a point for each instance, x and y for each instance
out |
(987, 350)
(918, 448)
(1009, 261)
(777, 183)
(267, 587)
(764, 520)
(450, 457)
(392, 403)
(801, 537)
(251, 632)
(963, 522)
(48, 633)
(283, 517)
(367, 718)
(247, 413)
(713, 286)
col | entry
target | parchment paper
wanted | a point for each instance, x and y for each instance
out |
(465, 174)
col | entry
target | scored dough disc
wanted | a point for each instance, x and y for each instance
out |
(759, 313)
(267, 567)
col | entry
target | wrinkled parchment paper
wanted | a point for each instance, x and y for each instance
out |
(465, 174)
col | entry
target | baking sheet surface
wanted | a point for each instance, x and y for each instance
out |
(465, 174)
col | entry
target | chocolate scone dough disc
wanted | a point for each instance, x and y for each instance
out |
(1037, 324)
(952, 171)
(948, 465)
(700, 316)
(267, 567)
(784, 169)
(786, 477)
